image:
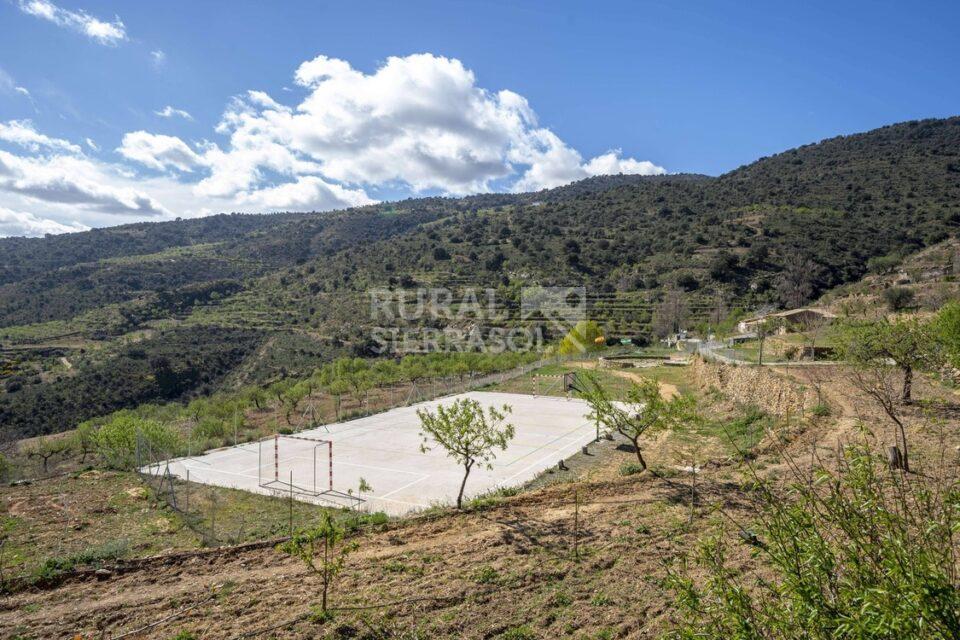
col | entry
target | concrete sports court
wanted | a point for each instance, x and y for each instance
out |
(384, 449)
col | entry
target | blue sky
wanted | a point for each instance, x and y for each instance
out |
(478, 96)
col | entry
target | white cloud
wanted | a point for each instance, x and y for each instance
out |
(419, 122)
(105, 33)
(170, 112)
(159, 152)
(158, 58)
(93, 145)
(9, 86)
(76, 181)
(611, 163)
(21, 223)
(308, 193)
(22, 133)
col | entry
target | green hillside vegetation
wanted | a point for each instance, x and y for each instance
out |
(655, 254)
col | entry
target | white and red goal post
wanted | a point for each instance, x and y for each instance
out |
(296, 464)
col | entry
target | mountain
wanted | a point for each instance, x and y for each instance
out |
(275, 295)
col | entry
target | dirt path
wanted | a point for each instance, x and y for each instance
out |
(667, 390)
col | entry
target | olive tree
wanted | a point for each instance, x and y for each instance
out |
(467, 433)
(642, 411)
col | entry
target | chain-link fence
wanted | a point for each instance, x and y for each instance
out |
(219, 515)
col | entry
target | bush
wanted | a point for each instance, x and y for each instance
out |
(821, 410)
(631, 468)
(857, 553)
(91, 556)
(898, 298)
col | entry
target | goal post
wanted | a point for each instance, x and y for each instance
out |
(296, 464)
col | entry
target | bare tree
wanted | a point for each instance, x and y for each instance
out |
(795, 284)
(879, 383)
(670, 313)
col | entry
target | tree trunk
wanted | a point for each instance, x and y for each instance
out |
(326, 574)
(463, 485)
(760, 354)
(636, 448)
(907, 384)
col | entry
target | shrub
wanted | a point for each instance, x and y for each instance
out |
(91, 556)
(821, 410)
(857, 553)
(630, 468)
(898, 298)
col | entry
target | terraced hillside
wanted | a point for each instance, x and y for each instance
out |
(653, 253)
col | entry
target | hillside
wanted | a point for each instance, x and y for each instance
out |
(781, 231)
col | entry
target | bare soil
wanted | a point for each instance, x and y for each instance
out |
(582, 558)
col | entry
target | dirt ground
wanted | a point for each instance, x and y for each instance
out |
(581, 559)
(667, 390)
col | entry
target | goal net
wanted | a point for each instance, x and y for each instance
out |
(296, 464)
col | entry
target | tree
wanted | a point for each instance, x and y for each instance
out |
(764, 329)
(582, 337)
(45, 448)
(643, 410)
(909, 344)
(795, 284)
(670, 314)
(323, 550)
(898, 298)
(467, 434)
(945, 328)
(363, 487)
(85, 440)
(874, 348)
(119, 440)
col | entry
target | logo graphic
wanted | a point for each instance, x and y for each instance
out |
(561, 307)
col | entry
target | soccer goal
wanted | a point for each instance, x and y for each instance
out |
(296, 464)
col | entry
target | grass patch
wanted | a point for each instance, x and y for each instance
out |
(94, 556)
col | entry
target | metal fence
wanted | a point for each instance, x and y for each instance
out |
(202, 507)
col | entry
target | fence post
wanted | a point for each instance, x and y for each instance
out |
(576, 524)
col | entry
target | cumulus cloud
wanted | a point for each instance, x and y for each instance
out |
(159, 152)
(419, 122)
(158, 58)
(100, 31)
(22, 133)
(171, 112)
(73, 180)
(21, 223)
(307, 193)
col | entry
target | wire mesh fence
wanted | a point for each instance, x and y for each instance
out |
(225, 516)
